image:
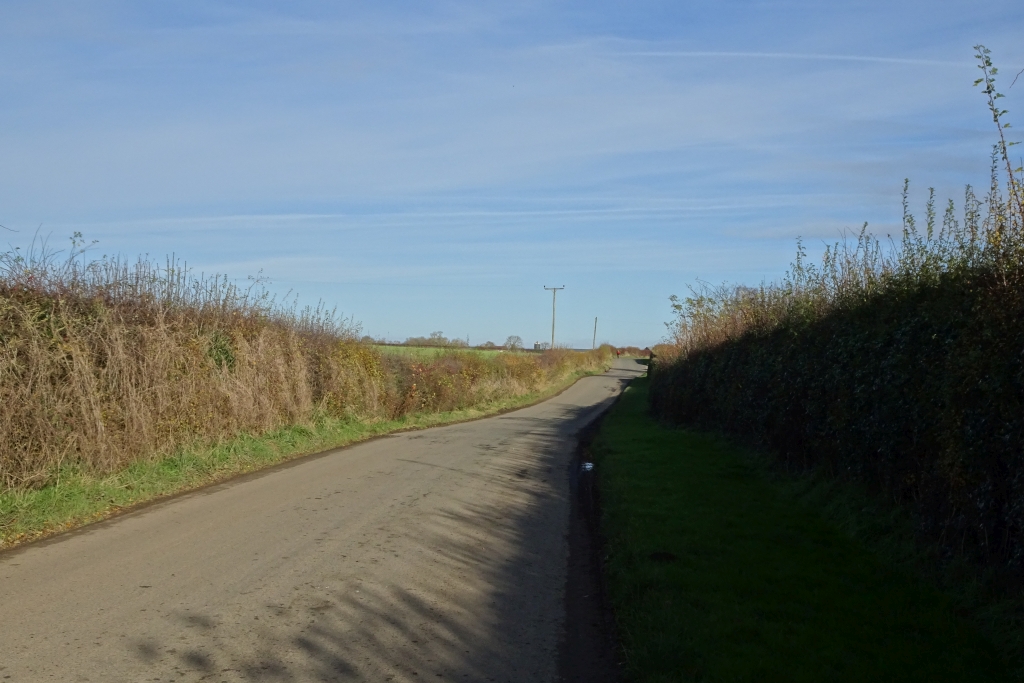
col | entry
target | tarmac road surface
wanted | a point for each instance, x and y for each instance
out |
(437, 555)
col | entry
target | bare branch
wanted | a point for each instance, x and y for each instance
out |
(1016, 77)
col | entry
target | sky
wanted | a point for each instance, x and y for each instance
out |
(432, 166)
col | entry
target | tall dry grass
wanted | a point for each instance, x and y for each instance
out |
(104, 362)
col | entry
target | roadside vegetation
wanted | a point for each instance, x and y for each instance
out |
(124, 380)
(894, 365)
(718, 569)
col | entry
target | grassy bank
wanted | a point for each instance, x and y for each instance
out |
(78, 496)
(719, 571)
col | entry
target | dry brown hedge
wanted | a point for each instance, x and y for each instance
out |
(104, 362)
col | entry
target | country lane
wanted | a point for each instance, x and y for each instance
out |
(433, 555)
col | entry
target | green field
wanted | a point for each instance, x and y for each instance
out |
(718, 572)
(430, 351)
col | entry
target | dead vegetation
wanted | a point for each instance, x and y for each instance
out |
(104, 362)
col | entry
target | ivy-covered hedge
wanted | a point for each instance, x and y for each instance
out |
(899, 364)
(919, 392)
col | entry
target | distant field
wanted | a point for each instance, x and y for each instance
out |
(430, 351)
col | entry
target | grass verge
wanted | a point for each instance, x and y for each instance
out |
(77, 498)
(719, 571)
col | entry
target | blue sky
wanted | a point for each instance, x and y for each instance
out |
(431, 166)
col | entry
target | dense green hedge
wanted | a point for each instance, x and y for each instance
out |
(918, 391)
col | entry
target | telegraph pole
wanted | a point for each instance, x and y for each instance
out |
(594, 344)
(554, 295)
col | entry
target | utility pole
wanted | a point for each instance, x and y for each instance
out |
(594, 344)
(554, 295)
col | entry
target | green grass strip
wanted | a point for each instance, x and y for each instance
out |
(718, 572)
(78, 498)
(428, 352)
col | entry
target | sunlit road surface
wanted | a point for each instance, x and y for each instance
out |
(437, 555)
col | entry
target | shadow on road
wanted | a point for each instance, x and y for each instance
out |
(439, 620)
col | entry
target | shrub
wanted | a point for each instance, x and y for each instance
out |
(901, 366)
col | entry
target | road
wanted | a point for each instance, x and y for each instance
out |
(435, 555)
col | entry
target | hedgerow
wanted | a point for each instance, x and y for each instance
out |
(106, 362)
(900, 365)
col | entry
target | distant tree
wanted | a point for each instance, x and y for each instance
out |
(435, 339)
(488, 345)
(514, 343)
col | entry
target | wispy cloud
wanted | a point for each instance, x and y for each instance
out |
(654, 208)
(445, 146)
(798, 56)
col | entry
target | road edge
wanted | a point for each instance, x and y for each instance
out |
(113, 515)
(589, 650)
